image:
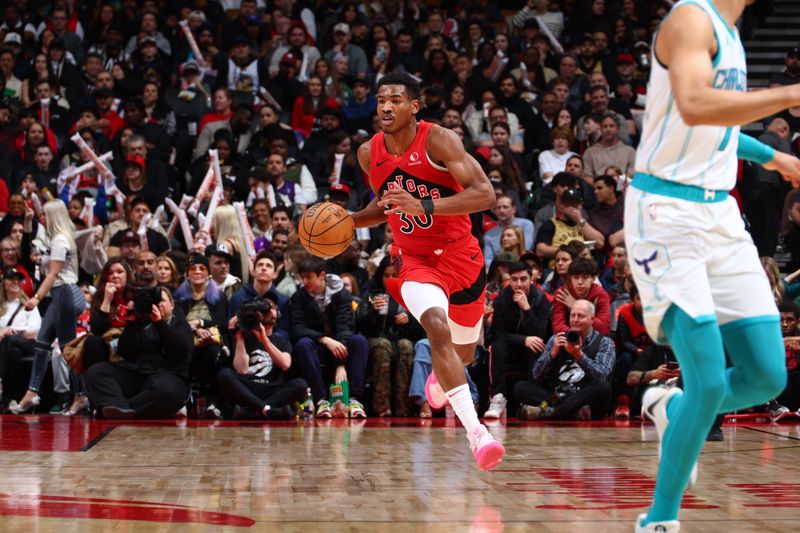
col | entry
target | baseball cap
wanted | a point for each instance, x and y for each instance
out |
(625, 57)
(190, 67)
(238, 39)
(289, 59)
(13, 38)
(341, 27)
(103, 92)
(340, 187)
(530, 23)
(196, 259)
(586, 38)
(130, 236)
(571, 197)
(10, 272)
(506, 257)
(252, 20)
(136, 160)
(220, 250)
(148, 40)
(794, 51)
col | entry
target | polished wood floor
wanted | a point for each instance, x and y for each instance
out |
(80, 475)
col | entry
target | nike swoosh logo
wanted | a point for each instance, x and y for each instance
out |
(649, 411)
(382, 162)
(474, 256)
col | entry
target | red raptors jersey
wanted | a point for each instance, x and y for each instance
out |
(417, 174)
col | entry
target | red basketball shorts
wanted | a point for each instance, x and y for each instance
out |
(458, 269)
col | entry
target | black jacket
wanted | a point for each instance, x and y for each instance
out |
(513, 324)
(337, 321)
(159, 346)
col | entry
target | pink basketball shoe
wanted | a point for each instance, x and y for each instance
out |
(487, 450)
(436, 397)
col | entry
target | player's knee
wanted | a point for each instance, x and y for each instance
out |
(772, 381)
(712, 386)
(436, 326)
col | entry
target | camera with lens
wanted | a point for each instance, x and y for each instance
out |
(252, 314)
(144, 298)
(573, 337)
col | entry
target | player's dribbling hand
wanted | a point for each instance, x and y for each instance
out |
(399, 201)
(787, 165)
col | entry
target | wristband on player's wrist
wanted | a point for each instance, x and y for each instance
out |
(427, 206)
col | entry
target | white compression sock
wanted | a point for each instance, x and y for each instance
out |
(461, 402)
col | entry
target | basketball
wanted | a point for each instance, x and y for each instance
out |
(326, 229)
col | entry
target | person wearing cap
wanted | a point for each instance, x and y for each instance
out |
(206, 310)
(18, 328)
(108, 118)
(791, 71)
(629, 85)
(148, 62)
(357, 65)
(219, 267)
(567, 223)
(134, 181)
(129, 245)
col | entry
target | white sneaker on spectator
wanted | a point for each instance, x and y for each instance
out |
(777, 411)
(669, 526)
(654, 407)
(497, 407)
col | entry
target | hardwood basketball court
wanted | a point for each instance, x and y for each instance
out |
(82, 475)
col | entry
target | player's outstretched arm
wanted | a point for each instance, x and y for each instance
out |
(686, 44)
(372, 214)
(445, 147)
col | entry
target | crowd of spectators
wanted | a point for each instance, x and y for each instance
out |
(548, 95)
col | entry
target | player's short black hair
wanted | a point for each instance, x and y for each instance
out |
(583, 266)
(405, 79)
(312, 265)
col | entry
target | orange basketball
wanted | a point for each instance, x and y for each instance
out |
(326, 229)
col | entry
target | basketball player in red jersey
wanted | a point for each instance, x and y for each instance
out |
(426, 185)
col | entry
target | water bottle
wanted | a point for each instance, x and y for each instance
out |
(308, 405)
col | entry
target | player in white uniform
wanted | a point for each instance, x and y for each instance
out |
(695, 266)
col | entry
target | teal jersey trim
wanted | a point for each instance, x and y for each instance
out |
(744, 322)
(673, 189)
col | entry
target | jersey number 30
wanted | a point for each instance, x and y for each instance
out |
(412, 222)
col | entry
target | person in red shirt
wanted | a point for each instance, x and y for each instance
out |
(223, 108)
(425, 187)
(307, 106)
(581, 286)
